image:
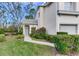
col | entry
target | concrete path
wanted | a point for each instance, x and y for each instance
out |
(28, 39)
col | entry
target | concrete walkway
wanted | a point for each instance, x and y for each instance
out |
(28, 39)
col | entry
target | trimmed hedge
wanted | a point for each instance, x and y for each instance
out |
(66, 44)
(61, 33)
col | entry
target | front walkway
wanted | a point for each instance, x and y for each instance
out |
(28, 39)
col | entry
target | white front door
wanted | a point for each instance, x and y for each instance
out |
(71, 29)
(27, 30)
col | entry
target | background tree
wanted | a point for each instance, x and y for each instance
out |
(31, 11)
(13, 13)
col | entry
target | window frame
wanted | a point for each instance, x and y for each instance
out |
(70, 6)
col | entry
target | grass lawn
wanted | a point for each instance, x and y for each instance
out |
(14, 47)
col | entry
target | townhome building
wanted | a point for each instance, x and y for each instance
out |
(55, 17)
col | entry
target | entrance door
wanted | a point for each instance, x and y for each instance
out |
(27, 30)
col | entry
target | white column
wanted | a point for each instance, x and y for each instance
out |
(78, 29)
(24, 30)
(26, 37)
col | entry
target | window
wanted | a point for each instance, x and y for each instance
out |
(69, 6)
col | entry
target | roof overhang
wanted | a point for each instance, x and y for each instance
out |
(66, 12)
(45, 4)
(30, 22)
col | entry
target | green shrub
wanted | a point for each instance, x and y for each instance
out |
(76, 43)
(33, 29)
(10, 29)
(64, 43)
(2, 37)
(62, 48)
(1, 31)
(61, 33)
(39, 33)
(38, 36)
(41, 30)
(49, 38)
(19, 30)
(19, 36)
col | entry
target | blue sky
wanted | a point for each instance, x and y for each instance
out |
(23, 13)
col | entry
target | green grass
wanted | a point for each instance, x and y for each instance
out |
(14, 47)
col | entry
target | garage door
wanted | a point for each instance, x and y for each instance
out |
(71, 29)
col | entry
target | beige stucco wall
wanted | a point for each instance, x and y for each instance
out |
(50, 18)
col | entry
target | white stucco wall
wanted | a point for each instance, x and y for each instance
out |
(50, 18)
(77, 6)
(66, 19)
(61, 6)
(40, 17)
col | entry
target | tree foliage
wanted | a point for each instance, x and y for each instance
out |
(13, 13)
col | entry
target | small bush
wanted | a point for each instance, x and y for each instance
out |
(39, 33)
(38, 36)
(61, 33)
(1, 31)
(33, 29)
(10, 29)
(76, 43)
(41, 30)
(49, 38)
(64, 43)
(20, 31)
(2, 37)
(20, 36)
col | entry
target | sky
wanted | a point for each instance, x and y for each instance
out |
(22, 13)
